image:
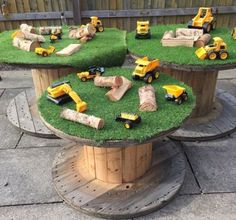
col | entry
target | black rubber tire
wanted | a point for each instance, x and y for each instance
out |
(134, 77)
(206, 27)
(210, 53)
(221, 52)
(146, 78)
(128, 123)
(83, 79)
(44, 54)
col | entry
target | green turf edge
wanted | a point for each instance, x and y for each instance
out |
(106, 49)
(169, 114)
(178, 55)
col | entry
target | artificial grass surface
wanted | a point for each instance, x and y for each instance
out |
(178, 55)
(169, 114)
(106, 49)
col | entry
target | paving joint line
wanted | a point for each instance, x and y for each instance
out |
(22, 133)
(1, 94)
(16, 88)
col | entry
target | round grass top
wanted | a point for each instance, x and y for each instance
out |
(178, 55)
(105, 49)
(168, 116)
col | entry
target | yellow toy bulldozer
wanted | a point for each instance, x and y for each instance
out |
(143, 30)
(61, 92)
(216, 50)
(203, 20)
(233, 34)
(97, 24)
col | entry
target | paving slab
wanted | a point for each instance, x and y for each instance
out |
(198, 207)
(25, 176)
(227, 86)
(31, 141)
(1, 92)
(16, 79)
(9, 135)
(227, 74)
(214, 164)
(6, 97)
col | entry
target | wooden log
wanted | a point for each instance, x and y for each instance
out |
(147, 99)
(47, 30)
(69, 50)
(28, 32)
(85, 32)
(115, 94)
(27, 28)
(82, 118)
(108, 81)
(26, 45)
(203, 40)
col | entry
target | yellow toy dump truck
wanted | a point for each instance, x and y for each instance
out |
(146, 70)
(233, 33)
(216, 50)
(175, 93)
(143, 30)
(61, 92)
(129, 119)
(97, 24)
(91, 73)
(44, 52)
(203, 20)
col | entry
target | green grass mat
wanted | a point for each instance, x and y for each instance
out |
(169, 114)
(179, 55)
(106, 49)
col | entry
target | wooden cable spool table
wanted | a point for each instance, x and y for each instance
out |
(214, 115)
(113, 172)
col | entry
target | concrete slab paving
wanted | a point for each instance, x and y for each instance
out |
(1, 92)
(214, 164)
(31, 141)
(198, 207)
(6, 97)
(25, 176)
(16, 79)
(227, 86)
(227, 74)
(9, 135)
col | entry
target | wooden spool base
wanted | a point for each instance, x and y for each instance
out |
(202, 129)
(22, 113)
(94, 197)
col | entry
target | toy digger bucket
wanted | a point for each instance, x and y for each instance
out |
(81, 107)
(174, 90)
(201, 53)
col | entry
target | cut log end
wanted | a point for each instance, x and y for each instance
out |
(147, 99)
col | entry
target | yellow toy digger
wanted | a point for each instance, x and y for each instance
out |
(97, 24)
(143, 30)
(233, 33)
(61, 92)
(203, 20)
(216, 50)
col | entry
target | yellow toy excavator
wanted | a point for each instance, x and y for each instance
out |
(61, 92)
(233, 33)
(203, 20)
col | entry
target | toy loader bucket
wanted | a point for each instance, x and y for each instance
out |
(174, 90)
(81, 107)
(201, 53)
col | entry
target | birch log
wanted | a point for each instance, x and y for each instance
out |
(26, 45)
(203, 40)
(84, 33)
(147, 99)
(82, 118)
(108, 81)
(47, 30)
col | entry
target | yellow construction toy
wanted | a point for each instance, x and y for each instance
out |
(146, 70)
(91, 73)
(175, 93)
(44, 52)
(61, 92)
(143, 30)
(233, 33)
(129, 119)
(97, 24)
(203, 20)
(216, 50)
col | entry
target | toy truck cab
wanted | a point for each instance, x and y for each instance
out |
(143, 30)
(175, 93)
(44, 52)
(146, 70)
(129, 119)
(91, 73)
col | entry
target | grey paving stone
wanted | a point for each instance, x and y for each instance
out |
(6, 97)
(31, 141)
(214, 164)
(198, 207)
(9, 135)
(227, 86)
(16, 79)
(1, 92)
(25, 176)
(227, 74)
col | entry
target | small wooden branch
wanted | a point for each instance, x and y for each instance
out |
(69, 50)
(108, 81)
(147, 99)
(82, 118)
(203, 40)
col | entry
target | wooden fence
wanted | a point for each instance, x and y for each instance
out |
(114, 13)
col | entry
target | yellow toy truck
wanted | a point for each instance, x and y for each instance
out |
(61, 92)
(129, 119)
(91, 73)
(146, 70)
(44, 52)
(143, 30)
(175, 93)
(203, 20)
(233, 33)
(97, 24)
(216, 50)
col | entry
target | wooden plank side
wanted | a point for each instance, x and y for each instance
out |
(100, 155)
(89, 151)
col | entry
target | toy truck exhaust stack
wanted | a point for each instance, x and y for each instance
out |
(175, 93)
(143, 30)
(216, 50)
(97, 24)
(146, 70)
(203, 20)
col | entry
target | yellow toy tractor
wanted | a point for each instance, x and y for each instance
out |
(44, 52)
(233, 33)
(143, 30)
(61, 92)
(175, 93)
(203, 20)
(146, 70)
(97, 24)
(216, 50)
(129, 119)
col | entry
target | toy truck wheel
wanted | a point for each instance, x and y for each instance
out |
(83, 79)
(44, 54)
(100, 29)
(206, 28)
(135, 77)
(148, 78)
(156, 74)
(212, 55)
(213, 25)
(178, 101)
(138, 120)
(224, 55)
(128, 125)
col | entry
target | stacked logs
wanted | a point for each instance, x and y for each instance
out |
(84, 33)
